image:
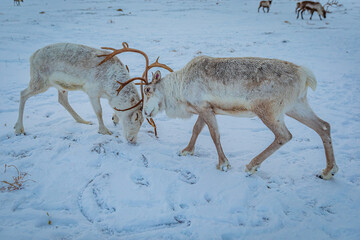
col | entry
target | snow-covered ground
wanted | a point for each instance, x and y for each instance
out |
(92, 186)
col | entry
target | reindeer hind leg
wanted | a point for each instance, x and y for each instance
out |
(304, 114)
(24, 96)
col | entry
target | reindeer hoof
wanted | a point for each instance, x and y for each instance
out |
(251, 170)
(186, 152)
(224, 167)
(105, 132)
(330, 174)
(19, 130)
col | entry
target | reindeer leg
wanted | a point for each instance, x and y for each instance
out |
(298, 12)
(24, 96)
(199, 125)
(63, 100)
(302, 12)
(263, 9)
(259, 8)
(311, 15)
(320, 16)
(282, 136)
(304, 114)
(268, 9)
(209, 117)
(95, 102)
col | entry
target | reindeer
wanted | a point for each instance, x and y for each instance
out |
(311, 7)
(70, 67)
(243, 87)
(17, 2)
(265, 4)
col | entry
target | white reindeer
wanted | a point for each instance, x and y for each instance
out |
(69, 67)
(267, 88)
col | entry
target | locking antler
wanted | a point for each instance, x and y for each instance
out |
(143, 79)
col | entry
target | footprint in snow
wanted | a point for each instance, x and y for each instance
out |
(188, 177)
(140, 180)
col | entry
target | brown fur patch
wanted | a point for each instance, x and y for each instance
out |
(69, 87)
(231, 110)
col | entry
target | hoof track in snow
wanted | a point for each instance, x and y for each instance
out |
(112, 204)
(188, 177)
(140, 180)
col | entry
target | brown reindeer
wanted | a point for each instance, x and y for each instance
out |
(265, 4)
(311, 7)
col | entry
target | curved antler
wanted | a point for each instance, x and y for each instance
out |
(122, 85)
(152, 123)
(123, 110)
(124, 49)
(160, 65)
(143, 79)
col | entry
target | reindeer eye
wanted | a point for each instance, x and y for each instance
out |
(147, 90)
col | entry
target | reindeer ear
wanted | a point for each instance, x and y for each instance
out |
(157, 75)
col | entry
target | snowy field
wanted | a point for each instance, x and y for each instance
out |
(91, 186)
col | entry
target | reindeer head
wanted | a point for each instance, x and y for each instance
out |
(153, 98)
(131, 124)
(324, 13)
(131, 120)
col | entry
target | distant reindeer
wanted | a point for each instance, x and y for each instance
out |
(70, 67)
(243, 87)
(17, 2)
(265, 4)
(311, 7)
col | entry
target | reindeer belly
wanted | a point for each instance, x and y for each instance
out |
(66, 82)
(223, 106)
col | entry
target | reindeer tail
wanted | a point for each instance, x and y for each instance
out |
(310, 78)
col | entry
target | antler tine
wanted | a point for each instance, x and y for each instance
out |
(108, 48)
(122, 85)
(109, 56)
(123, 110)
(160, 65)
(152, 123)
(124, 49)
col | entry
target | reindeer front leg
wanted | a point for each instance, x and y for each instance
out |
(209, 117)
(199, 125)
(95, 102)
